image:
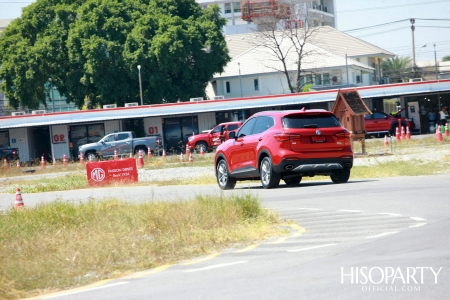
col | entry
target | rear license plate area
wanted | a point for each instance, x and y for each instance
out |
(318, 139)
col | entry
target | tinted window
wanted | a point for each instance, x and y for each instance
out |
(232, 127)
(217, 129)
(367, 117)
(122, 136)
(247, 128)
(310, 121)
(108, 138)
(262, 124)
(377, 115)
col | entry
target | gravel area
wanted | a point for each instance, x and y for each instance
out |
(175, 173)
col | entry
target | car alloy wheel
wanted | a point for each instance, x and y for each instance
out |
(269, 178)
(224, 180)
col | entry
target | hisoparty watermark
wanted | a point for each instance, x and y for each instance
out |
(389, 279)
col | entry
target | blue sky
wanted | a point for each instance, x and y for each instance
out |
(354, 14)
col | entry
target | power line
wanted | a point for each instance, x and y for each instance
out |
(393, 6)
(374, 26)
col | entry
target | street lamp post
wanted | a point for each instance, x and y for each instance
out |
(53, 98)
(435, 61)
(346, 66)
(140, 84)
(240, 79)
(413, 46)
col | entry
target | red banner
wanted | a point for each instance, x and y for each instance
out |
(103, 172)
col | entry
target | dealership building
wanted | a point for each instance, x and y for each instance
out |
(56, 134)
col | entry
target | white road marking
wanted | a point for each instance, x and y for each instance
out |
(417, 225)
(216, 266)
(381, 234)
(394, 215)
(349, 210)
(417, 219)
(84, 290)
(309, 248)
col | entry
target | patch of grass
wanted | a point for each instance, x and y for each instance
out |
(399, 168)
(70, 181)
(63, 245)
(173, 161)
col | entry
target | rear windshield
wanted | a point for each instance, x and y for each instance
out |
(310, 121)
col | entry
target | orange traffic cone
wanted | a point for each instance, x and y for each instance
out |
(402, 136)
(131, 154)
(164, 153)
(140, 160)
(42, 162)
(386, 143)
(187, 149)
(408, 133)
(438, 133)
(149, 154)
(19, 201)
(5, 164)
(64, 160)
(115, 155)
(397, 135)
(18, 164)
(191, 159)
(54, 162)
(446, 130)
(81, 158)
(181, 158)
(202, 152)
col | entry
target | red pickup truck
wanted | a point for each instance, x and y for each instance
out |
(213, 138)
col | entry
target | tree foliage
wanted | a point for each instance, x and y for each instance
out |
(398, 68)
(446, 58)
(91, 50)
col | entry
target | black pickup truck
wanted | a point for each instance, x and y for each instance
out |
(9, 153)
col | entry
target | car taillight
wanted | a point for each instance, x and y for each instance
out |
(157, 141)
(14, 152)
(344, 134)
(282, 137)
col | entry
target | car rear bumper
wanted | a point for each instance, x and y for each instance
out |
(313, 165)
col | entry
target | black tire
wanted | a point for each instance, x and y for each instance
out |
(269, 178)
(224, 180)
(293, 180)
(88, 153)
(199, 145)
(340, 176)
(136, 150)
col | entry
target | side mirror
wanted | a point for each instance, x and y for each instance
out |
(232, 135)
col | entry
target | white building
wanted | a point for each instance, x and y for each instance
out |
(255, 69)
(231, 11)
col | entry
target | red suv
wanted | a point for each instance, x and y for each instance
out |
(213, 138)
(380, 121)
(288, 145)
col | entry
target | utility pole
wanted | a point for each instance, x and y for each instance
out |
(413, 47)
(435, 62)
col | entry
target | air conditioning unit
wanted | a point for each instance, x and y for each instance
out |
(131, 104)
(218, 98)
(110, 106)
(38, 112)
(196, 99)
(18, 113)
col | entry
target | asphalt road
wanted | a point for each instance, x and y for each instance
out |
(367, 239)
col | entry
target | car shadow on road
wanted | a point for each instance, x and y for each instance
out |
(303, 185)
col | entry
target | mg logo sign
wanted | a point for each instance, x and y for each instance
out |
(98, 174)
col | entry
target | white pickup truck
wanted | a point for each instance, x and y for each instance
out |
(122, 142)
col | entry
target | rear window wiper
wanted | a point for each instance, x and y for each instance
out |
(310, 126)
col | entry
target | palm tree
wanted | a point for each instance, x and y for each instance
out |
(398, 68)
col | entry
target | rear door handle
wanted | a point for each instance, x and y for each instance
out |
(260, 139)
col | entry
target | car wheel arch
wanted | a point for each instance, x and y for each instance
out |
(262, 154)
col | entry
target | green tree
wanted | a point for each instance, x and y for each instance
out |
(446, 58)
(398, 68)
(91, 50)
